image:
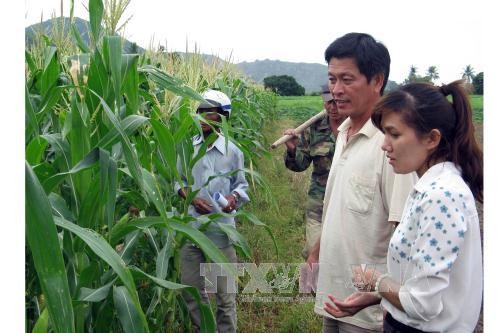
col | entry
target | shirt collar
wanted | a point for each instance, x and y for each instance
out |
(434, 172)
(368, 128)
(219, 143)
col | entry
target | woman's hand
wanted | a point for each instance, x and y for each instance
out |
(351, 305)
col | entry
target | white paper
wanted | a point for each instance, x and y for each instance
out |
(220, 199)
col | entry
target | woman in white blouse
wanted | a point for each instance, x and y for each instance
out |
(434, 261)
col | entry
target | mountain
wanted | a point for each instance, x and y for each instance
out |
(46, 27)
(309, 76)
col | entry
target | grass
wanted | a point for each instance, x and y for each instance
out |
(301, 108)
(477, 107)
(285, 219)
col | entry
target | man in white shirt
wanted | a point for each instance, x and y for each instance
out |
(364, 198)
(224, 161)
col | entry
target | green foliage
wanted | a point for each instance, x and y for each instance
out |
(299, 108)
(477, 107)
(285, 215)
(284, 85)
(391, 85)
(414, 77)
(477, 82)
(104, 131)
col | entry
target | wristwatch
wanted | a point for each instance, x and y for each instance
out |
(236, 196)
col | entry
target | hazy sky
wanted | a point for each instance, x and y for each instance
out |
(444, 33)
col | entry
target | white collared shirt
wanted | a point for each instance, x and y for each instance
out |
(362, 195)
(225, 164)
(435, 254)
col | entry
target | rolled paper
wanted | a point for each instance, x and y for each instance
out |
(220, 199)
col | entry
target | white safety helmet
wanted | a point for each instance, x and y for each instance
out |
(214, 98)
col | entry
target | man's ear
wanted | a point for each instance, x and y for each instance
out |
(378, 81)
(433, 139)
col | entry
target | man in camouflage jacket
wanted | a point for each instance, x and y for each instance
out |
(317, 145)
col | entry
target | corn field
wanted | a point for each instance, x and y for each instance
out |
(104, 131)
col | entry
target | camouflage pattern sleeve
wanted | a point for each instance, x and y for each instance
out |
(302, 158)
(321, 150)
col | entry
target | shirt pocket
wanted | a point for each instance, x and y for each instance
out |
(361, 193)
(221, 182)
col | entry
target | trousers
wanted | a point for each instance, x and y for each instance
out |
(191, 258)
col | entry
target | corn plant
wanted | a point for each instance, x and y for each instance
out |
(104, 131)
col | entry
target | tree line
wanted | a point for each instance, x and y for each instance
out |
(474, 82)
(286, 85)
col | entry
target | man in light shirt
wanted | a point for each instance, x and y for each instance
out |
(364, 198)
(219, 173)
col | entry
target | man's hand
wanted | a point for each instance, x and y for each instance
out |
(364, 279)
(313, 257)
(351, 305)
(201, 206)
(291, 144)
(231, 204)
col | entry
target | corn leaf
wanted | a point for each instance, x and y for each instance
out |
(112, 189)
(95, 295)
(112, 53)
(253, 219)
(186, 123)
(31, 121)
(207, 317)
(127, 313)
(59, 207)
(44, 245)
(42, 324)
(130, 124)
(237, 239)
(78, 39)
(50, 99)
(166, 142)
(130, 154)
(170, 83)
(35, 150)
(96, 10)
(163, 258)
(29, 60)
(130, 84)
(50, 69)
(79, 140)
(88, 161)
(103, 250)
(97, 83)
(154, 192)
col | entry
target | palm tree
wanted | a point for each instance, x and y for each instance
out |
(432, 73)
(412, 76)
(468, 74)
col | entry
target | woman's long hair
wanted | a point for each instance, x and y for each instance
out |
(424, 107)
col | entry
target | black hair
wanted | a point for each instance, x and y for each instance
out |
(425, 107)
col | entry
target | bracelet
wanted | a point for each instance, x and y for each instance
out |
(235, 196)
(377, 284)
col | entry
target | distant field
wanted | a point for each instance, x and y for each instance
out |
(300, 108)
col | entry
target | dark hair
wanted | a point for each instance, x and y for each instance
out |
(371, 57)
(424, 107)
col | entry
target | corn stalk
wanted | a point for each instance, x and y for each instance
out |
(104, 131)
